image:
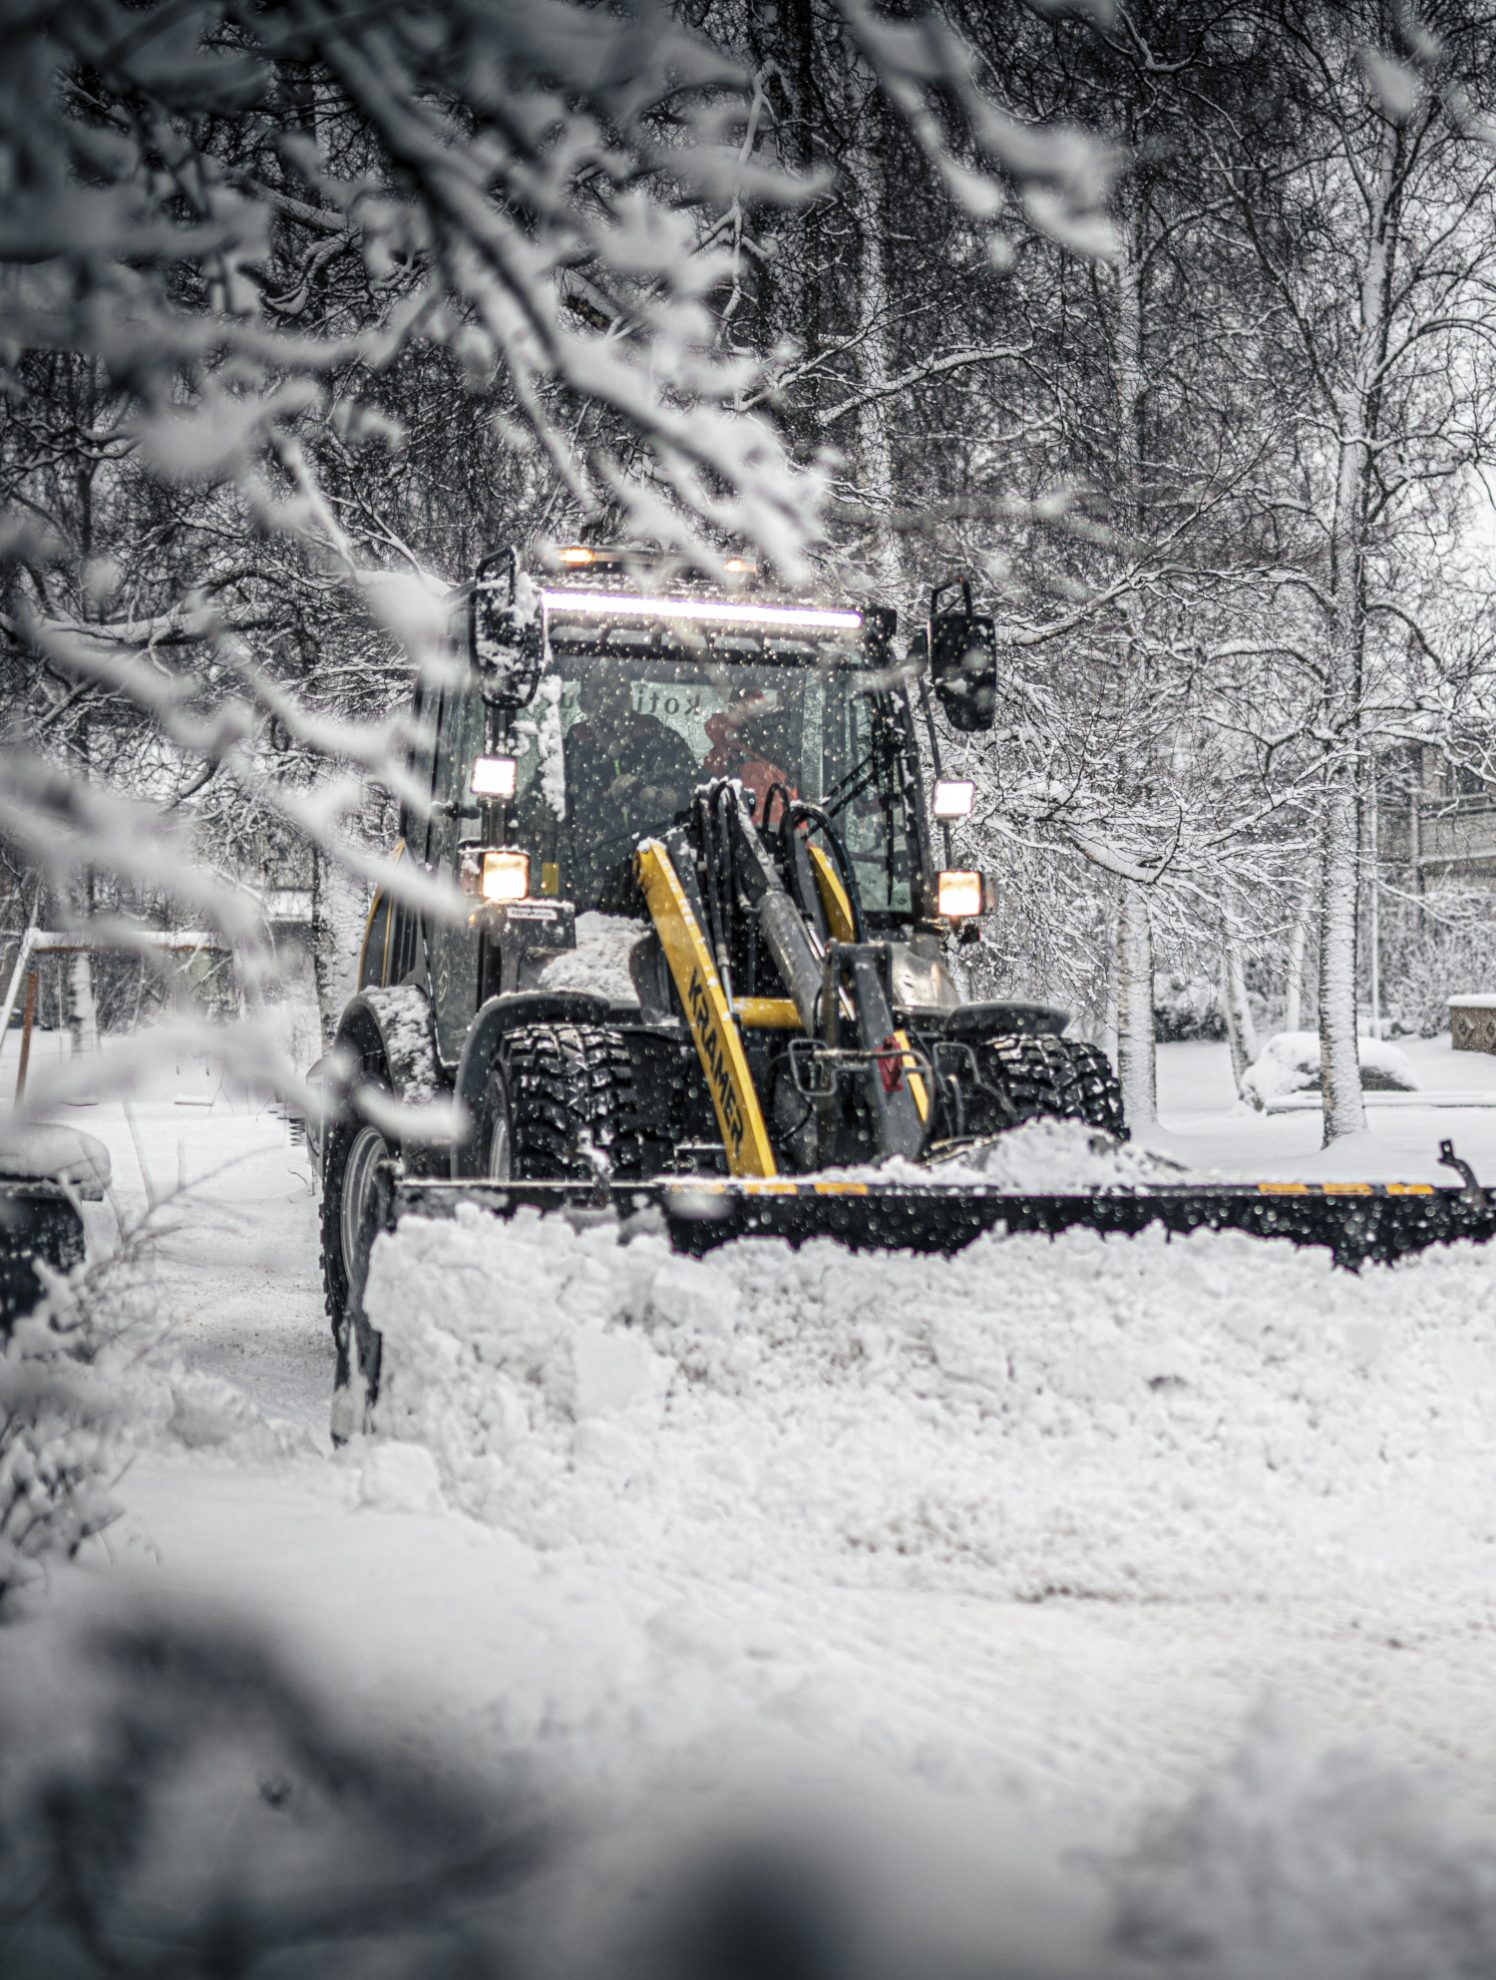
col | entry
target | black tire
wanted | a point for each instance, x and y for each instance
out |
(354, 1202)
(1046, 1077)
(1097, 1090)
(561, 1105)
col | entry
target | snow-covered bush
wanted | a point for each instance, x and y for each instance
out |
(206, 1814)
(1289, 1064)
(60, 1439)
(1186, 1007)
(1426, 961)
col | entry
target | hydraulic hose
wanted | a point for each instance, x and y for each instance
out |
(815, 815)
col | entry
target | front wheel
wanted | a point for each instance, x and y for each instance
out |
(560, 1105)
(354, 1207)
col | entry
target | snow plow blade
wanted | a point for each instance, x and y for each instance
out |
(38, 1220)
(1354, 1221)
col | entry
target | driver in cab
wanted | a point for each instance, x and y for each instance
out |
(745, 745)
(622, 764)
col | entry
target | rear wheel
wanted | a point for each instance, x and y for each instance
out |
(1097, 1092)
(560, 1106)
(1045, 1077)
(353, 1204)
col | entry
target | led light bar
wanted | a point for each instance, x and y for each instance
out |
(627, 605)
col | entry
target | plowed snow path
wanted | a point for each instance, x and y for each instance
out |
(1028, 1535)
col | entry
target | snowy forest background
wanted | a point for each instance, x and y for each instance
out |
(1170, 322)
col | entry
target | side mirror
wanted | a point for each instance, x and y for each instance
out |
(508, 648)
(963, 666)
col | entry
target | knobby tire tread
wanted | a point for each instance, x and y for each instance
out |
(1046, 1077)
(575, 1112)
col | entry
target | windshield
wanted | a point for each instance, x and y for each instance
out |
(614, 743)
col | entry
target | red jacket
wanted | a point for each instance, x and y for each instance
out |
(732, 756)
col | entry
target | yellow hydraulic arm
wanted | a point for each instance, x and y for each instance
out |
(719, 1044)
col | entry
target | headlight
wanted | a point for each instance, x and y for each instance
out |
(494, 777)
(954, 797)
(959, 895)
(505, 876)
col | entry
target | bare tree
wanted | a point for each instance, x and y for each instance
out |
(1371, 218)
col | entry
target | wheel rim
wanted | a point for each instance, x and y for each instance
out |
(369, 1149)
(499, 1163)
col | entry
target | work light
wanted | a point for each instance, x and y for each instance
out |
(959, 895)
(628, 605)
(954, 797)
(494, 776)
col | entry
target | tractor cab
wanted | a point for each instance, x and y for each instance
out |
(643, 684)
(601, 695)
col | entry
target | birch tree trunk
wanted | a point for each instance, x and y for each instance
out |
(1340, 824)
(1137, 1066)
(84, 1024)
(1111, 1003)
(1298, 943)
(1241, 1032)
(1340, 1068)
(1136, 1048)
(83, 1009)
(875, 452)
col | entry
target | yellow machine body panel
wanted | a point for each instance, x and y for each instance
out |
(916, 1079)
(767, 1014)
(719, 1045)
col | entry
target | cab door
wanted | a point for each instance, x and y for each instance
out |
(453, 949)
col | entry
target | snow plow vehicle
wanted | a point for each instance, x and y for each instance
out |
(706, 971)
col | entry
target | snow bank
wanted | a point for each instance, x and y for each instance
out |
(1092, 1418)
(204, 1413)
(1050, 1154)
(1289, 1064)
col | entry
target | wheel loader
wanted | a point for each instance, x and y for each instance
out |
(706, 971)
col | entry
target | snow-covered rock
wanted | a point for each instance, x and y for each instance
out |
(1289, 1064)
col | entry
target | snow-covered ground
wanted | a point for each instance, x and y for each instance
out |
(1150, 1586)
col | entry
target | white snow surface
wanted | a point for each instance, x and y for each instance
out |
(1127, 1607)
(1060, 1155)
(1120, 1422)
